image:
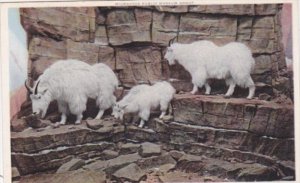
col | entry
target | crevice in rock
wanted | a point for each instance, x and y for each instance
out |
(254, 113)
(151, 27)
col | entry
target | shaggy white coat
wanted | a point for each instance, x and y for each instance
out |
(142, 98)
(71, 83)
(204, 60)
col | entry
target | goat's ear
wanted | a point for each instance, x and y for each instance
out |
(43, 92)
(123, 107)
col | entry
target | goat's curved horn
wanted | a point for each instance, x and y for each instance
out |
(172, 40)
(29, 89)
(36, 87)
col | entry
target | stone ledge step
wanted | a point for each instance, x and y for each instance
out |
(33, 141)
(181, 133)
(288, 167)
(52, 159)
(256, 116)
(218, 150)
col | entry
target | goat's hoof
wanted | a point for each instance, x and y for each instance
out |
(56, 125)
(77, 123)
(226, 96)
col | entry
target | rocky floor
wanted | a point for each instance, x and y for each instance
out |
(123, 161)
(149, 162)
(176, 149)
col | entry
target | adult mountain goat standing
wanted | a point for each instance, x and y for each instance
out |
(142, 98)
(71, 83)
(204, 60)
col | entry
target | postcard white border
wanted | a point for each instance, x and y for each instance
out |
(4, 75)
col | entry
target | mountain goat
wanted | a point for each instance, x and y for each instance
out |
(204, 60)
(71, 83)
(142, 98)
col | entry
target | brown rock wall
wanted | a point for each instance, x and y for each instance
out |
(98, 34)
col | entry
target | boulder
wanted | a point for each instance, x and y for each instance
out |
(155, 162)
(15, 173)
(224, 9)
(109, 154)
(129, 148)
(112, 165)
(74, 164)
(128, 25)
(58, 23)
(78, 176)
(131, 172)
(266, 9)
(258, 173)
(200, 26)
(190, 163)
(164, 27)
(172, 9)
(141, 64)
(86, 52)
(18, 125)
(149, 149)
(101, 36)
(94, 124)
(34, 122)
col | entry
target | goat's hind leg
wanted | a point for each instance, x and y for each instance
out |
(230, 90)
(77, 108)
(163, 108)
(251, 86)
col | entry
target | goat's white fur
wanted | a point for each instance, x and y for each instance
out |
(71, 83)
(204, 60)
(142, 98)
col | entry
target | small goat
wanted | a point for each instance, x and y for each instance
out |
(204, 60)
(71, 83)
(142, 98)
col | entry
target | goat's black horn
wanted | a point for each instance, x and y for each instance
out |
(29, 89)
(36, 87)
(172, 40)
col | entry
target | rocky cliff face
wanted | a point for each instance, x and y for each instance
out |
(132, 40)
(222, 139)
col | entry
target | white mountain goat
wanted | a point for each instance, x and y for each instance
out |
(204, 60)
(71, 83)
(142, 98)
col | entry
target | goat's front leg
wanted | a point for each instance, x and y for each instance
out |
(163, 113)
(63, 119)
(142, 123)
(100, 114)
(63, 108)
(207, 89)
(144, 115)
(78, 120)
(195, 89)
